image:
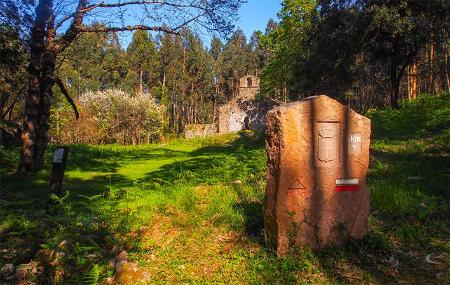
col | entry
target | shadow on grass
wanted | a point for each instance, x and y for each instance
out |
(68, 238)
(253, 219)
(215, 164)
(97, 224)
(430, 172)
(84, 226)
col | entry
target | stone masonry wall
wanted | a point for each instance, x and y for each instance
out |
(199, 130)
(242, 113)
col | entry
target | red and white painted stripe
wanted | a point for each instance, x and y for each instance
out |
(343, 185)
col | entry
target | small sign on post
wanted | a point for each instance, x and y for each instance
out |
(58, 169)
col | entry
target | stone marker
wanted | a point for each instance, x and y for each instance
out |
(58, 169)
(316, 192)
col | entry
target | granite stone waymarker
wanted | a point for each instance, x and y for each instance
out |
(316, 192)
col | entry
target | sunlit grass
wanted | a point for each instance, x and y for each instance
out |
(191, 212)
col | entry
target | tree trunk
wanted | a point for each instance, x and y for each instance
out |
(432, 69)
(412, 82)
(141, 87)
(395, 86)
(43, 123)
(37, 104)
(447, 77)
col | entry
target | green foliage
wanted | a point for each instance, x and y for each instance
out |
(95, 61)
(236, 60)
(191, 212)
(287, 42)
(144, 60)
(355, 51)
(425, 118)
(187, 80)
(17, 225)
(92, 276)
(13, 62)
(9, 160)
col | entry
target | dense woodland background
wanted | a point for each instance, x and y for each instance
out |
(190, 211)
(367, 54)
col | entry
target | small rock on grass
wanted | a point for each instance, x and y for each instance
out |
(7, 271)
(128, 272)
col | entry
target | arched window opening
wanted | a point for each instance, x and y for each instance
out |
(249, 82)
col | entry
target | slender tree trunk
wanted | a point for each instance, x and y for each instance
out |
(141, 87)
(447, 77)
(57, 124)
(395, 86)
(412, 82)
(432, 68)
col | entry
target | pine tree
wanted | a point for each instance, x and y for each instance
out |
(143, 59)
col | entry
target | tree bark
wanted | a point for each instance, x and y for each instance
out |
(412, 82)
(432, 82)
(43, 122)
(447, 77)
(141, 87)
(35, 102)
(395, 86)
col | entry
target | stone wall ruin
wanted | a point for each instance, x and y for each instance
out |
(244, 112)
(199, 130)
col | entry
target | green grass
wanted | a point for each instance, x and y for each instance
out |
(191, 211)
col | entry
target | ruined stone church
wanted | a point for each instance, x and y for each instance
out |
(244, 112)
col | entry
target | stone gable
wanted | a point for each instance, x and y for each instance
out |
(245, 112)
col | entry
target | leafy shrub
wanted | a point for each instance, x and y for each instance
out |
(111, 116)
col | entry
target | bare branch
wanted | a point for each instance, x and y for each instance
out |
(143, 2)
(72, 32)
(99, 29)
(89, 8)
(70, 16)
(68, 98)
(189, 21)
(18, 97)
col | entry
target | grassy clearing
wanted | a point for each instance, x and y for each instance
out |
(191, 212)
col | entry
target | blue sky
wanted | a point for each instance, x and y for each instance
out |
(253, 16)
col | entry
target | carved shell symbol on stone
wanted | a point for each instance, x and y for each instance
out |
(327, 149)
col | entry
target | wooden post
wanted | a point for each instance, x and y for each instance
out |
(58, 169)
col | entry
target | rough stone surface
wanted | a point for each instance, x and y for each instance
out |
(128, 272)
(311, 144)
(7, 271)
(245, 112)
(248, 86)
(199, 130)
